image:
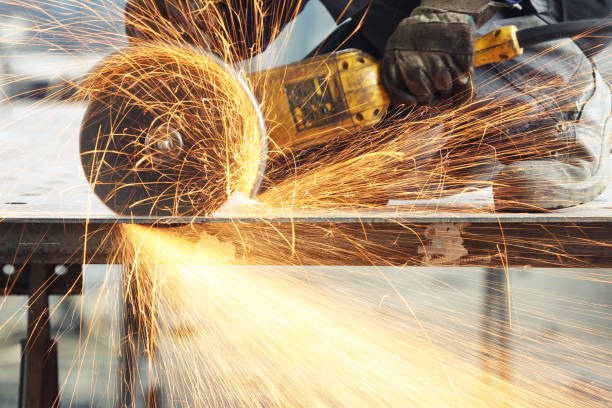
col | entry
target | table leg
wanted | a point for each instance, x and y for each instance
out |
(40, 378)
(134, 335)
(495, 328)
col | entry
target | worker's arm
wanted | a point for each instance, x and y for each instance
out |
(430, 56)
(236, 27)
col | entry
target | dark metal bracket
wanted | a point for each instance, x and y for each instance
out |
(39, 385)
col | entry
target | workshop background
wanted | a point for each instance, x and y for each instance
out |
(571, 303)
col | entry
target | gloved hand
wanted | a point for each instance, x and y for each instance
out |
(429, 58)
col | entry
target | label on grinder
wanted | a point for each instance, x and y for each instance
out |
(315, 102)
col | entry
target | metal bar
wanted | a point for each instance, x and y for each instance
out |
(495, 327)
(22, 342)
(138, 344)
(41, 387)
(129, 355)
(396, 241)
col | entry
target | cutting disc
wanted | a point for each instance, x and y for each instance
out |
(170, 131)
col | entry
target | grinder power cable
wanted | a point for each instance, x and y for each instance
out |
(162, 137)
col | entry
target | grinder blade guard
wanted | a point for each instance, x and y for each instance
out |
(170, 131)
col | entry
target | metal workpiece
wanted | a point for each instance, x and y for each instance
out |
(383, 238)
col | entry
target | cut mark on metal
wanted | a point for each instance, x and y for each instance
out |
(445, 246)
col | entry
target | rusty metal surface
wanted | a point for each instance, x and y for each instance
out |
(349, 243)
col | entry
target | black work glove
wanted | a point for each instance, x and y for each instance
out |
(429, 58)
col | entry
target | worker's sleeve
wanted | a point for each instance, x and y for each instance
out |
(578, 10)
(241, 27)
(480, 10)
(565, 10)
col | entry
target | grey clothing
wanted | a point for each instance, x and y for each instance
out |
(566, 136)
(559, 155)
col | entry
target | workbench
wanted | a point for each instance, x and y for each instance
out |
(49, 217)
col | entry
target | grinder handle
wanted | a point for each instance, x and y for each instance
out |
(321, 98)
(497, 46)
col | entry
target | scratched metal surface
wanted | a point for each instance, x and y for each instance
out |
(41, 181)
(40, 172)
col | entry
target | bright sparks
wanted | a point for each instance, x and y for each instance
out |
(221, 334)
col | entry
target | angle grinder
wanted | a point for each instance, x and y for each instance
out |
(175, 131)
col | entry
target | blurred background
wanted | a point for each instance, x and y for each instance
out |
(45, 48)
